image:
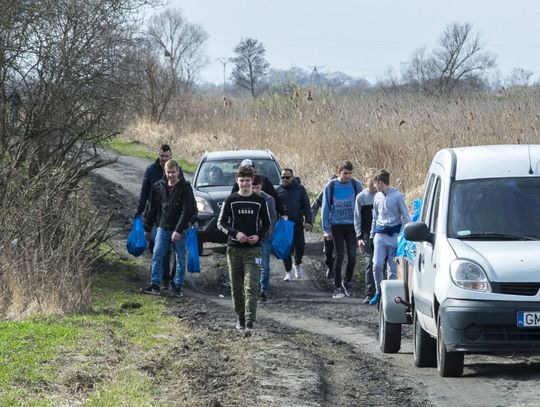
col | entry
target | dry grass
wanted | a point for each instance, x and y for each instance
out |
(398, 132)
(46, 250)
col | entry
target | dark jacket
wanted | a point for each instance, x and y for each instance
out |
(267, 187)
(171, 211)
(153, 173)
(295, 201)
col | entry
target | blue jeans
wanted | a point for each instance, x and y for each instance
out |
(266, 246)
(161, 246)
(384, 251)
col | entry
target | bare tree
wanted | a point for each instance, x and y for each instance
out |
(459, 57)
(418, 73)
(62, 73)
(519, 77)
(174, 56)
(250, 67)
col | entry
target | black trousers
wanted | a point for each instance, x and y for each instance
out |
(344, 237)
(370, 280)
(298, 245)
(328, 251)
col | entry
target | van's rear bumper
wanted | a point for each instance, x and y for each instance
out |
(488, 326)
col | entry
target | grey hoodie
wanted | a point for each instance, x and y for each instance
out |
(389, 209)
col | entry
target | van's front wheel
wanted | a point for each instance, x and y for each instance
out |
(449, 364)
(424, 346)
(389, 334)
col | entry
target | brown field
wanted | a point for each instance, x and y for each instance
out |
(397, 132)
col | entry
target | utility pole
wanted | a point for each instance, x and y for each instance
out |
(224, 62)
(315, 72)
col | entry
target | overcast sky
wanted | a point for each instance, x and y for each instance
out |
(359, 37)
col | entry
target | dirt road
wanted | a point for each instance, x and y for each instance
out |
(309, 349)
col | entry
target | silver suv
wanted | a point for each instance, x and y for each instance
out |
(213, 181)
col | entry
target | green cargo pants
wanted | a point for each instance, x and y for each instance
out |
(244, 275)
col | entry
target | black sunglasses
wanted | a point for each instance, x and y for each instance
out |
(286, 176)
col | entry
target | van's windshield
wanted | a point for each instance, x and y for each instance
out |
(501, 208)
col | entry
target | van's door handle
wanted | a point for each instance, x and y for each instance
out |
(421, 262)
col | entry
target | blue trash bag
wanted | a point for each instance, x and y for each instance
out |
(192, 247)
(282, 238)
(406, 248)
(136, 243)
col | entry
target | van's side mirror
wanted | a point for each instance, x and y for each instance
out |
(418, 232)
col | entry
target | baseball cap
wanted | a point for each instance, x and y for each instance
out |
(247, 163)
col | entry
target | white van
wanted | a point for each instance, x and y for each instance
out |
(475, 282)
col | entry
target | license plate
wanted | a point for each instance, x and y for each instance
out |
(528, 319)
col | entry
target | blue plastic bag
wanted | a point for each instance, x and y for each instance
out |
(406, 248)
(136, 243)
(282, 238)
(192, 247)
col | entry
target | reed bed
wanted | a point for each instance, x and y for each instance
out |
(399, 132)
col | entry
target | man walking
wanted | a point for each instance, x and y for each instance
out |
(363, 219)
(171, 207)
(295, 201)
(266, 241)
(390, 213)
(244, 218)
(338, 224)
(154, 173)
(328, 249)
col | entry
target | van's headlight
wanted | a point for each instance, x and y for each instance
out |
(203, 206)
(469, 275)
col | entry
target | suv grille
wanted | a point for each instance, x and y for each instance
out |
(530, 289)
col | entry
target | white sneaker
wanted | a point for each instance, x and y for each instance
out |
(288, 276)
(298, 272)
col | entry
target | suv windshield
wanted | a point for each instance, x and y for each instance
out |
(500, 209)
(221, 173)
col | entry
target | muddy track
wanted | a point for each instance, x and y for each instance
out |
(309, 349)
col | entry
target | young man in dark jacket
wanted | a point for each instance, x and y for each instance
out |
(244, 218)
(171, 206)
(154, 173)
(295, 201)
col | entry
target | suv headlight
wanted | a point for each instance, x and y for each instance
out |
(469, 275)
(203, 206)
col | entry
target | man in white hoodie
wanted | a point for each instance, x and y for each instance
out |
(390, 214)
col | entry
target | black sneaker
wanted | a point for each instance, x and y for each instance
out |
(263, 297)
(338, 293)
(152, 289)
(347, 289)
(249, 325)
(241, 323)
(177, 291)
